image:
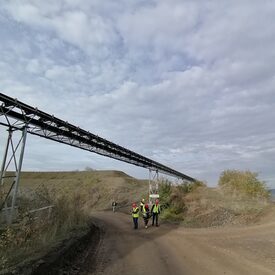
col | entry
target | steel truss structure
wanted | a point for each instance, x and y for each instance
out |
(11, 158)
(17, 115)
(153, 186)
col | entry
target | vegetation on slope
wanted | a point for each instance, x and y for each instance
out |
(239, 199)
(173, 199)
(39, 231)
(243, 183)
(73, 196)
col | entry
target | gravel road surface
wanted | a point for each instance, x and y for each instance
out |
(171, 249)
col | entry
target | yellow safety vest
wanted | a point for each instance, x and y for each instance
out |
(142, 206)
(144, 209)
(135, 212)
(156, 208)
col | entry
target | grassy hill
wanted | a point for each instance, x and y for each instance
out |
(96, 189)
(73, 195)
(213, 207)
(196, 205)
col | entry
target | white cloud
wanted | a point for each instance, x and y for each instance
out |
(77, 27)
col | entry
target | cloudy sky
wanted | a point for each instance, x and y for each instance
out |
(190, 84)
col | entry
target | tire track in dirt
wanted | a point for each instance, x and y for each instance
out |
(115, 248)
(170, 249)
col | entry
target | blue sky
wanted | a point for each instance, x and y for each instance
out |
(187, 83)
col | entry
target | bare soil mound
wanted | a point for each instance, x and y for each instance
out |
(211, 207)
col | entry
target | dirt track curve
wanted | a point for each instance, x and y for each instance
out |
(170, 249)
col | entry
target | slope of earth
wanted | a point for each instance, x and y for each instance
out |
(73, 195)
(96, 189)
(210, 207)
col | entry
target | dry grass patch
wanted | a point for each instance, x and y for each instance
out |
(35, 233)
(74, 195)
(196, 205)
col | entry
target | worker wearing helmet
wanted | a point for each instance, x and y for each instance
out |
(135, 214)
(155, 211)
(146, 215)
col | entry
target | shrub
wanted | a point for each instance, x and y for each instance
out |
(243, 183)
(188, 187)
(170, 215)
(38, 231)
(165, 189)
(172, 200)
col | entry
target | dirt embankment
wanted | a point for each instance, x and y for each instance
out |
(69, 257)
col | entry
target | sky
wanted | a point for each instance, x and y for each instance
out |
(190, 84)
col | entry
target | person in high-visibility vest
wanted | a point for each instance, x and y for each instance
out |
(135, 214)
(146, 214)
(155, 211)
(142, 203)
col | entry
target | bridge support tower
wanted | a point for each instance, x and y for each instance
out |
(153, 185)
(9, 181)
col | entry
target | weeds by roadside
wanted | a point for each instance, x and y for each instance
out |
(239, 199)
(172, 198)
(36, 232)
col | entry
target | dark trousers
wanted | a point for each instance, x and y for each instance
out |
(135, 220)
(155, 217)
(146, 221)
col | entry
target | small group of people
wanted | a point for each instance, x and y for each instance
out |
(144, 209)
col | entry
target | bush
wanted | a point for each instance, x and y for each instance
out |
(188, 187)
(172, 200)
(170, 215)
(243, 183)
(37, 232)
(165, 190)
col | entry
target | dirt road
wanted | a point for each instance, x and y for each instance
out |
(170, 249)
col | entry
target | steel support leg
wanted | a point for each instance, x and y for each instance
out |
(5, 158)
(18, 173)
(10, 196)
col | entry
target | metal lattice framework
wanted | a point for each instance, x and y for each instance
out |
(18, 115)
(15, 158)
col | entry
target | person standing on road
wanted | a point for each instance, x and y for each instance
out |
(142, 203)
(146, 214)
(155, 211)
(135, 215)
(114, 204)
